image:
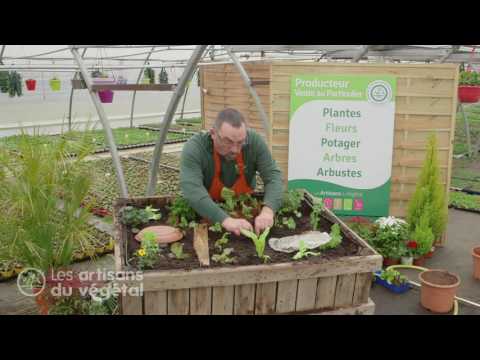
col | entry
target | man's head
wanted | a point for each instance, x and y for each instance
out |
(229, 133)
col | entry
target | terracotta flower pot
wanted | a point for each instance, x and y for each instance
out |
(438, 290)
(476, 262)
(164, 234)
(389, 261)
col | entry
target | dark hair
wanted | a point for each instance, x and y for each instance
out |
(231, 116)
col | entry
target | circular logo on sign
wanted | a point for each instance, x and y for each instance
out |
(31, 282)
(379, 92)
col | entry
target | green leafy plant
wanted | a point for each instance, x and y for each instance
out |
(315, 215)
(224, 257)
(289, 222)
(177, 250)
(217, 227)
(228, 195)
(14, 84)
(4, 83)
(429, 194)
(470, 78)
(304, 252)
(148, 253)
(292, 200)
(335, 238)
(149, 73)
(220, 243)
(134, 217)
(259, 242)
(423, 235)
(390, 237)
(181, 213)
(163, 76)
(394, 277)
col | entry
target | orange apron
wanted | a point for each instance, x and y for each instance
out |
(240, 186)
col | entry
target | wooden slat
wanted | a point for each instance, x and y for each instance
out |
(344, 290)
(363, 283)
(222, 300)
(201, 301)
(178, 302)
(286, 296)
(244, 303)
(132, 305)
(182, 279)
(306, 294)
(326, 292)
(265, 298)
(155, 302)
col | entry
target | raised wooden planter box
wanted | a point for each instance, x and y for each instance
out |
(340, 286)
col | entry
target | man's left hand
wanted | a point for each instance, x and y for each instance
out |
(264, 220)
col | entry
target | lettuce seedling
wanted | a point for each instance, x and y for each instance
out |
(220, 243)
(259, 242)
(303, 251)
(177, 250)
(335, 238)
(217, 227)
(224, 257)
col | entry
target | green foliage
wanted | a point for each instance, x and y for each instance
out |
(429, 193)
(393, 277)
(244, 203)
(292, 200)
(14, 84)
(259, 242)
(148, 253)
(220, 243)
(41, 192)
(224, 257)
(390, 237)
(76, 305)
(4, 83)
(163, 76)
(465, 201)
(469, 78)
(423, 234)
(177, 250)
(181, 213)
(132, 216)
(150, 74)
(217, 227)
(335, 238)
(304, 252)
(289, 222)
(315, 215)
(228, 195)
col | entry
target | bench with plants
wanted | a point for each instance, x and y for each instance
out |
(282, 270)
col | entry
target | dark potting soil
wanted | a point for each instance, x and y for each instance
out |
(244, 249)
(439, 278)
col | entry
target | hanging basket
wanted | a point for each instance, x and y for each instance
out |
(31, 84)
(106, 96)
(55, 84)
(469, 94)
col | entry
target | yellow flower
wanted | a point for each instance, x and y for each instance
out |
(141, 252)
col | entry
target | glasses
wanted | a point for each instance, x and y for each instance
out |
(230, 143)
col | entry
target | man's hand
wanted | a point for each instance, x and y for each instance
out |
(264, 220)
(234, 225)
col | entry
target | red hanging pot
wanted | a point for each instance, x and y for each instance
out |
(468, 94)
(106, 96)
(31, 84)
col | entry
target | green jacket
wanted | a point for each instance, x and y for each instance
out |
(197, 170)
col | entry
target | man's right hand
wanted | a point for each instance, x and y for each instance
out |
(235, 225)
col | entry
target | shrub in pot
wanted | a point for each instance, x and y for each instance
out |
(469, 87)
(389, 239)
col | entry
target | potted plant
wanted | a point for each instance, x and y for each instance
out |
(163, 76)
(476, 262)
(389, 239)
(44, 236)
(410, 251)
(423, 236)
(438, 290)
(469, 87)
(393, 281)
(4, 84)
(101, 78)
(31, 84)
(55, 84)
(14, 84)
(149, 76)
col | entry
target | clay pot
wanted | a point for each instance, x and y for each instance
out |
(164, 234)
(389, 261)
(476, 262)
(438, 290)
(420, 261)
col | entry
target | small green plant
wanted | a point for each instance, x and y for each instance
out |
(304, 252)
(217, 227)
(149, 73)
(259, 242)
(393, 277)
(148, 253)
(289, 222)
(228, 195)
(177, 251)
(135, 217)
(220, 243)
(335, 238)
(470, 78)
(224, 257)
(292, 200)
(181, 213)
(315, 215)
(423, 235)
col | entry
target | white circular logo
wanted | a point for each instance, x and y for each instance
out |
(379, 92)
(31, 282)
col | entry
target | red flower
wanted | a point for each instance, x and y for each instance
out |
(412, 245)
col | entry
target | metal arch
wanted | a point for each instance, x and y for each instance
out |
(104, 120)
(1, 53)
(132, 108)
(172, 106)
(361, 53)
(70, 103)
(253, 92)
(450, 52)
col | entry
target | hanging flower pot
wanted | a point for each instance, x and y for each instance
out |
(476, 262)
(469, 94)
(106, 96)
(31, 84)
(55, 84)
(438, 290)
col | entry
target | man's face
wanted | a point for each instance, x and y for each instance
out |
(229, 140)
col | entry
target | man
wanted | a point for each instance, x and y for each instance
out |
(229, 155)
